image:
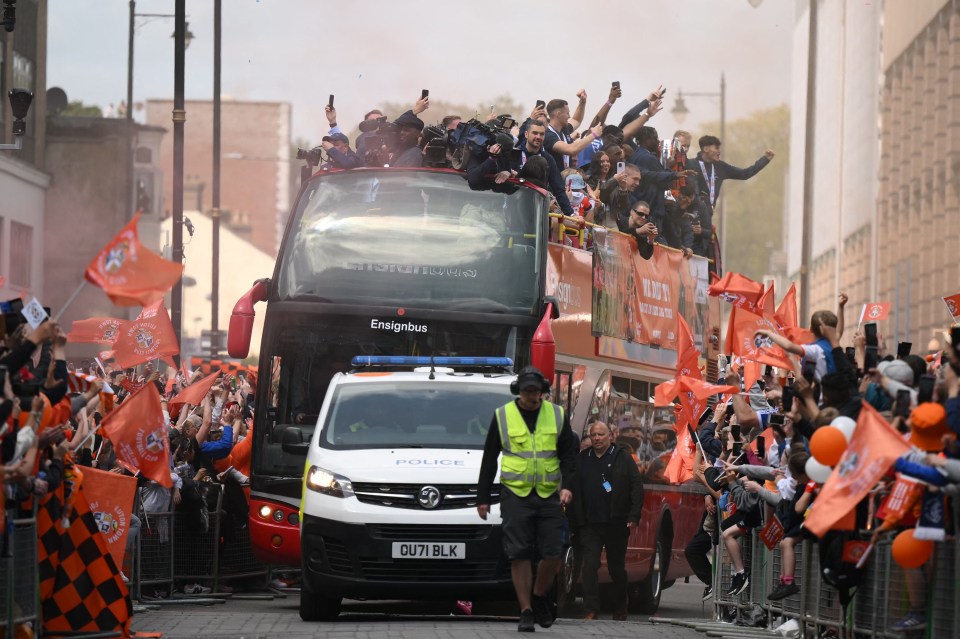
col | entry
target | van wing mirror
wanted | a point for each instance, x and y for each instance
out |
(292, 442)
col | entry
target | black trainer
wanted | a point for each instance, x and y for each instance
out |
(740, 583)
(782, 591)
(527, 622)
(707, 593)
(541, 611)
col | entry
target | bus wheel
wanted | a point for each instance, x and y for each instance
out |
(649, 590)
(313, 607)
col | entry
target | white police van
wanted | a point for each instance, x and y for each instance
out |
(390, 485)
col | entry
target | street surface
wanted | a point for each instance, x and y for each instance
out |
(263, 619)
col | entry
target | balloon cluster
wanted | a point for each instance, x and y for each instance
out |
(827, 447)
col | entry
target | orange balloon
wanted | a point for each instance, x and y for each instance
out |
(910, 552)
(827, 445)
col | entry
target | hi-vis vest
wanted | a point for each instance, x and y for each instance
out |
(530, 459)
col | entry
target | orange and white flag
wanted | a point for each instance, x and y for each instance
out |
(874, 312)
(872, 450)
(111, 502)
(138, 431)
(102, 330)
(953, 306)
(757, 348)
(129, 273)
(148, 337)
(737, 289)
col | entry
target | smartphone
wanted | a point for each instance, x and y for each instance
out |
(424, 94)
(616, 84)
(3, 376)
(903, 349)
(870, 359)
(776, 423)
(809, 371)
(787, 398)
(903, 404)
(870, 333)
(925, 388)
(233, 383)
(955, 338)
(761, 449)
(331, 101)
(541, 104)
(851, 354)
(621, 166)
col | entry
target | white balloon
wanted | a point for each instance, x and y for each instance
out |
(846, 426)
(818, 472)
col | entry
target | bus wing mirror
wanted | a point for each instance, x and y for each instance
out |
(292, 442)
(241, 320)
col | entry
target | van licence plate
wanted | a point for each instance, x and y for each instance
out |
(428, 550)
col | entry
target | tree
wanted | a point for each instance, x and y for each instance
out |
(78, 108)
(754, 209)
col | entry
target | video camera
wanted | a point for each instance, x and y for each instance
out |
(313, 157)
(470, 140)
(387, 135)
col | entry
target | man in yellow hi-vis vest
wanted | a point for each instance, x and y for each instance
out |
(539, 456)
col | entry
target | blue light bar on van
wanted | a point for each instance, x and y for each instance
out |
(390, 360)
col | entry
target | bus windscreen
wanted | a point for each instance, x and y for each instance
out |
(414, 239)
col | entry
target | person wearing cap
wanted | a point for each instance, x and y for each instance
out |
(408, 151)
(341, 156)
(607, 504)
(536, 471)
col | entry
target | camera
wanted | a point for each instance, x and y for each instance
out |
(470, 140)
(387, 135)
(433, 143)
(313, 157)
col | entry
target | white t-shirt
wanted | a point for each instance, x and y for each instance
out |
(813, 353)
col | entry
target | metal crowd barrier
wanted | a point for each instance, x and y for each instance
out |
(172, 552)
(881, 599)
(19, 580)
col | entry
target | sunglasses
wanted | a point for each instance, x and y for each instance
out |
(641, 213)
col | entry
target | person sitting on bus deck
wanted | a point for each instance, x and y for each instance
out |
(638, 225)
(341, 156)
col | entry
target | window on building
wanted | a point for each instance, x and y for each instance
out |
(143, 155)
(21, 253)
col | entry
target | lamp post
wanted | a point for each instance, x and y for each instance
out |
(131, 198)
(215, 210)
(680, 112)
(179, 118)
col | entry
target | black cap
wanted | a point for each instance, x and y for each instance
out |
(409, 120)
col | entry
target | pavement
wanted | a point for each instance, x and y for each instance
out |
(262, 619)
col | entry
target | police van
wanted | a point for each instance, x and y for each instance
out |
(390, 485)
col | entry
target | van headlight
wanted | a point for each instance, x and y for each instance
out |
(327, 483)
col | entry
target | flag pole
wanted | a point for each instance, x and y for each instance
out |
(83, 283)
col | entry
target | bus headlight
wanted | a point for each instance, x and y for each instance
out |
(328, 483)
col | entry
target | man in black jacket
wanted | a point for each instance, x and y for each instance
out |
(711, 171)
(607, 503)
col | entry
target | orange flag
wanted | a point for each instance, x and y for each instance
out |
(664, 393)
(750, 346)
(688, 357)
(767, 300)
(139, 435)
(786, 317)
(875, 312)
(872, 450)
(130, 274)
(148, 337)
(737, 289)
(111, 501)
(195, 392)
(952, 303)
(103, 330)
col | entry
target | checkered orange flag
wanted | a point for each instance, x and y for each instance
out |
(80, 585)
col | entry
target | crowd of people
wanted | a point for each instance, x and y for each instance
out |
(45, 421)
(620, 176)
(754, 454)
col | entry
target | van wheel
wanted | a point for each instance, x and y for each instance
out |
(565, 583)
(649, 590)
(313, 607)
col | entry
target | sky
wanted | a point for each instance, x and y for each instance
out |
(377, 51)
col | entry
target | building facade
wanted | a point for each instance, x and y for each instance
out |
(255, 163)
(23, 179)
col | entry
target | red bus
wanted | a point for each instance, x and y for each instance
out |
(384, 261)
